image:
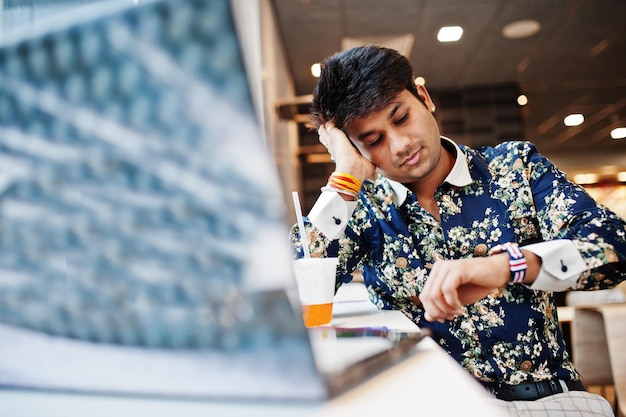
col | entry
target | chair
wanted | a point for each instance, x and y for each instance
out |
(599, 341)
(615, 328)
(579, 298)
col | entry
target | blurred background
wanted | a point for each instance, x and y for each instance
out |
(517, 70)
(549, 71)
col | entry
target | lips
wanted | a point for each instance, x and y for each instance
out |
(413, 159)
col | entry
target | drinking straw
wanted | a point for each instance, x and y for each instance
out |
(296, 204)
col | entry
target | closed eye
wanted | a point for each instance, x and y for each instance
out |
(376, 140)
(401, 120)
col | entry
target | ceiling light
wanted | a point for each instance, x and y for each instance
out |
(618, 133)
(607, 170)
(575, 119)
(450, 34)
(621, 176)
(316, 69)
(521, 29)
(586, 178)
(522, 100)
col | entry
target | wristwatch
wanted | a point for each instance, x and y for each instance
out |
(517, 260)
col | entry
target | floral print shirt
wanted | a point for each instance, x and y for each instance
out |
(515, 195)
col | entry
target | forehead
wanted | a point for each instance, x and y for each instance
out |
(364, 105)
(385, 113)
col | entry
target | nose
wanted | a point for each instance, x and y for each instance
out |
(398, 143)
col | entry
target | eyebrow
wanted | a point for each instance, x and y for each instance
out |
(392, 113)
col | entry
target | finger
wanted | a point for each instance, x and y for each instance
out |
(439, 311)
(439, 296)
(430, 295)
(447, 280)
(435, 314)
(322, 134)
(450, 295)
(327, 134)
(431, 309)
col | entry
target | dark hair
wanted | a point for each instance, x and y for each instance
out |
(359, 82)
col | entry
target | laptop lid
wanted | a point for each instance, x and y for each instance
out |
(143, 247)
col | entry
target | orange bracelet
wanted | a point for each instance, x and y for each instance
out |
(345, 181)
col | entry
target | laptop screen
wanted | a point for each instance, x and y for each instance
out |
(138, 203)
(143, 244)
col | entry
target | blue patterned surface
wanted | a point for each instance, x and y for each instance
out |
(131, 182)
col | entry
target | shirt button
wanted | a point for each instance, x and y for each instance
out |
(401, 262)
(415, 300)
(526, 365)
(610, 256)
(438, 257)
(446, 198)
(483, 309)
(480, 249)
(523, 221)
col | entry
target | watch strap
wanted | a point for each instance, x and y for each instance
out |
(517, 260)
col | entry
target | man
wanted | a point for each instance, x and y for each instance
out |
(469, 243)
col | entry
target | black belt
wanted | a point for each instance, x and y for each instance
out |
(530, 391)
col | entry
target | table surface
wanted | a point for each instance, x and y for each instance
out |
(427, 382)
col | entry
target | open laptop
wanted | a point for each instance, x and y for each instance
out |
(143, 244)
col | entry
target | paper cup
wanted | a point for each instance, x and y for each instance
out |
(315, 279)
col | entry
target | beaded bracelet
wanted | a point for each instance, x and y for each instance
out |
(343, 181)
(517, 260)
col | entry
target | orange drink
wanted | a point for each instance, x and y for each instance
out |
(315, 279)
(317, 314)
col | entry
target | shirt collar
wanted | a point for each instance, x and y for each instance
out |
(458, 176)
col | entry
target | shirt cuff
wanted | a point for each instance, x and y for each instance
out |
(331, 213)
(561, 265)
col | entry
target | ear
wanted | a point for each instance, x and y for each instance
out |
(425, 96)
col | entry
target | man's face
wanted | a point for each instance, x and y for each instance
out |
(402, 140)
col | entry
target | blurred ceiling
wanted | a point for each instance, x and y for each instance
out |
(576, 63)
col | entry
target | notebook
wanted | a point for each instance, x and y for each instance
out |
(143, 244)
